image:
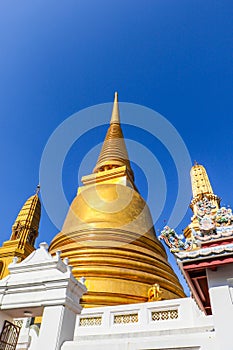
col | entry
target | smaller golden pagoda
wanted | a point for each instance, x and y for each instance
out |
(204, 204)
(208, 239)
(23, 236)
(210, 222)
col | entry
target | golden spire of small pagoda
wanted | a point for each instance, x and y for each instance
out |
(114, 153)
(202, 190)
(24, 233)
(201, 186)
(200, 180)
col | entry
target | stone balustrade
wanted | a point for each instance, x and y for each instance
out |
(166, 316)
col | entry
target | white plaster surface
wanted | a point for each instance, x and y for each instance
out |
(191, 330)
(42, 284)
(57, 326)
(4, 316)
(220, 285)
(38, 281)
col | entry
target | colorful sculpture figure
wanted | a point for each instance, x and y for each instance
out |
(173, 240)
(206, 216)
(224, 216)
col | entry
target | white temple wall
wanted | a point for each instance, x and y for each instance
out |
(220, 287)
(42, 283)
(171, 324)
(57, 326)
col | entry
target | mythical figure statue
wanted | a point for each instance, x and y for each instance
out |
(173, 240)
(176, 243)
(16, 230)
(224, 217)
(154, 293)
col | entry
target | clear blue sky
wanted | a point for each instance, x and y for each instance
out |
(58, 57)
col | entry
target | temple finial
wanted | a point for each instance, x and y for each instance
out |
(115, 119)
(204, 204)
(116, 97)
(114, 153)
(37, 189)
(200, 181)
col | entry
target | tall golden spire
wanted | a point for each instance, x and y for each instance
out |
(24, 233)
(114, 153)
(115, 119)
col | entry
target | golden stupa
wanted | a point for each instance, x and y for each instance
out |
(108, 234)
(24, 233)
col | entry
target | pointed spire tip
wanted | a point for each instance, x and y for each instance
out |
(116, 97)
(115, 111)
(37, 189)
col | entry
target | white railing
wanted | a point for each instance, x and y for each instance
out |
(160, 315)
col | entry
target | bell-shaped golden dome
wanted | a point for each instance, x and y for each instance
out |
(109, 238)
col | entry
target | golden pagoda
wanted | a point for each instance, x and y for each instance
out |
(204, 204)
(24, 233)
(108, 234)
